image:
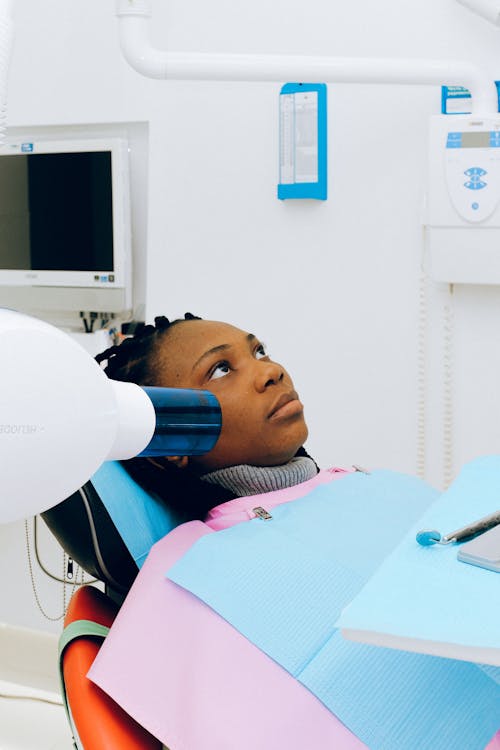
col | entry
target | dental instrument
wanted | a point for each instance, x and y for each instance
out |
(428, 537)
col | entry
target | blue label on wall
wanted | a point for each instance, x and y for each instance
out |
(303, 141)
(456, 100)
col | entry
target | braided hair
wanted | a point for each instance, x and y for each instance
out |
(136, 360)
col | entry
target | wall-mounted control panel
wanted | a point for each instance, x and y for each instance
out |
(463, 199)
(473, 172)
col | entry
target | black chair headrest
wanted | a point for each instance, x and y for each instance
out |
(84, 529)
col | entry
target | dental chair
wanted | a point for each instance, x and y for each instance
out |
(108, 527)
(96, 721)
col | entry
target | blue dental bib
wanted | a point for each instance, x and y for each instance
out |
(283, 583)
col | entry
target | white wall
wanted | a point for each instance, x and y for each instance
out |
(333, 288)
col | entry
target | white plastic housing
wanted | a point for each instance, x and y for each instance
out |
(488, 9)
(59, 416)
(135, 421)
(463, 199)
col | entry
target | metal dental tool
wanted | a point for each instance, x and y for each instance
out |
(428, 537)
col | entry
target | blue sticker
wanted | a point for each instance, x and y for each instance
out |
(26, 148)
(456, 100)
(303, 141)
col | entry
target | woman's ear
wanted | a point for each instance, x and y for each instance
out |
(180, 461)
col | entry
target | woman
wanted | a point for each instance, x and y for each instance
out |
(263, 425)
(185, 673)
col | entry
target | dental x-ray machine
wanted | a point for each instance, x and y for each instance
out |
(61, 417)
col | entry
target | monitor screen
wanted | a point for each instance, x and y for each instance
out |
(56, 212)
(65, 228)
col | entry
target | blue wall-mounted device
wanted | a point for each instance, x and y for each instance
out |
(303, 141)
(456, 100)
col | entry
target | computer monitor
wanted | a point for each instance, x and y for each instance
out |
(65, 235)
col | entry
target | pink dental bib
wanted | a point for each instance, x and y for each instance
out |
(191, 679)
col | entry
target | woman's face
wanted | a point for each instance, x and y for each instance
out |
(262, 417)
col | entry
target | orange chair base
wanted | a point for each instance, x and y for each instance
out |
(101, 724)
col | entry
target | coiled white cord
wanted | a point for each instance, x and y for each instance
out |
(447, 374)
(73, 582)
(448, 331)
(421, 374)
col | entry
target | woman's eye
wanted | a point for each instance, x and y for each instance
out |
(220, 370)
(260, 352)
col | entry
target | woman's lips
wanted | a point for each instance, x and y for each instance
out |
(288, 405)
(290, 409)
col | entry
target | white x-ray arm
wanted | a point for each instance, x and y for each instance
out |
(488, 9)
(134, 19)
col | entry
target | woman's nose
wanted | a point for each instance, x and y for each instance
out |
(267, 373)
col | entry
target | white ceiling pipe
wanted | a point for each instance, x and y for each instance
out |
(6, 38)
(488, 9)
(134, 18)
